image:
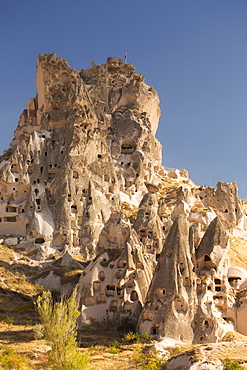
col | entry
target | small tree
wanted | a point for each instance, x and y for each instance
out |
(59, 322)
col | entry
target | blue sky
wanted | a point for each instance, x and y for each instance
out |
(193, 52)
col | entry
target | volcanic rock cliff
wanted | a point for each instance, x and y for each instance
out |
(83, 179)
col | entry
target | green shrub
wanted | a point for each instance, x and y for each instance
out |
(39, 331)
(59, 322)
(125, 324)
(231, 365)
(108, 323)
(24, 307)
(137, 338)
(115, 344)
(113, 350)
(146, 361)
(146, 338)
(9, 320)
(131, 337)
(114, 347)
(176, 351)
(9, 360)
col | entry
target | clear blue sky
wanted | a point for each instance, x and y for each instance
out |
(193, 52)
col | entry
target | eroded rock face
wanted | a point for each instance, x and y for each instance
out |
(115, 284)
(170, 303)
(83, 177)
(85, 137)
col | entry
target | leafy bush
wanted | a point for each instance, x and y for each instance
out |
(176, 351)
(146, 338)
(125, 324)
(137, 338)
(113, 350)
(9, 320)
(108, 323)
(39, 331)
(146, 361)
(59, 323)
(131, 337)
(115, 344)
(24, 307)
(114, 347)
(232, 365)
(9, 360)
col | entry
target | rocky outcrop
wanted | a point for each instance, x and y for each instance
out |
(169, 308)
(82, 141)
(82, 179)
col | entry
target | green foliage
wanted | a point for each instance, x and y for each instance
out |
(108, 323)
(146, 361)
(122, 325)
(39, 287)
(137, 338)
(24, 307)
(9, 320)
(9, 360)
(115, 344)
(176, 351)
(231, 365)
(113, 350)
(114, 347)
(27, 322)
(131, 337)
(126, 324)
(146, 338)
(59, 323)
(39, 331)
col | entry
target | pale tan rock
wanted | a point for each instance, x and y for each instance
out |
(83, 177)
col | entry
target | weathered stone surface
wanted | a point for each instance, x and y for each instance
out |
(82, 139)
(170, 303)
(83, 179)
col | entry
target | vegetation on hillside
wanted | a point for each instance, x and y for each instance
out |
(59, 320)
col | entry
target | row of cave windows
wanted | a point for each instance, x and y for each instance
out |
(121, 263)
(89, 200)
(106, 178)
(113, 305)
(128, 147)
(75, 175)
(85, 193)
(4, 189)
(73, 207)
(112, 289)
(180, 306)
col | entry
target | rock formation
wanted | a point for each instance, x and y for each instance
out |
(82, 179)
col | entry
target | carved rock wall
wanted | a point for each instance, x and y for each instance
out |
(83, 177)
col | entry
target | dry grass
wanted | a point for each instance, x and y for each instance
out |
(16, 292)
(201, 209)
(129, 210)
(234, 336)
(14, 271)
(97, 343)
(18, 317)
(21, 338)
(168, 185)
(235, 351)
